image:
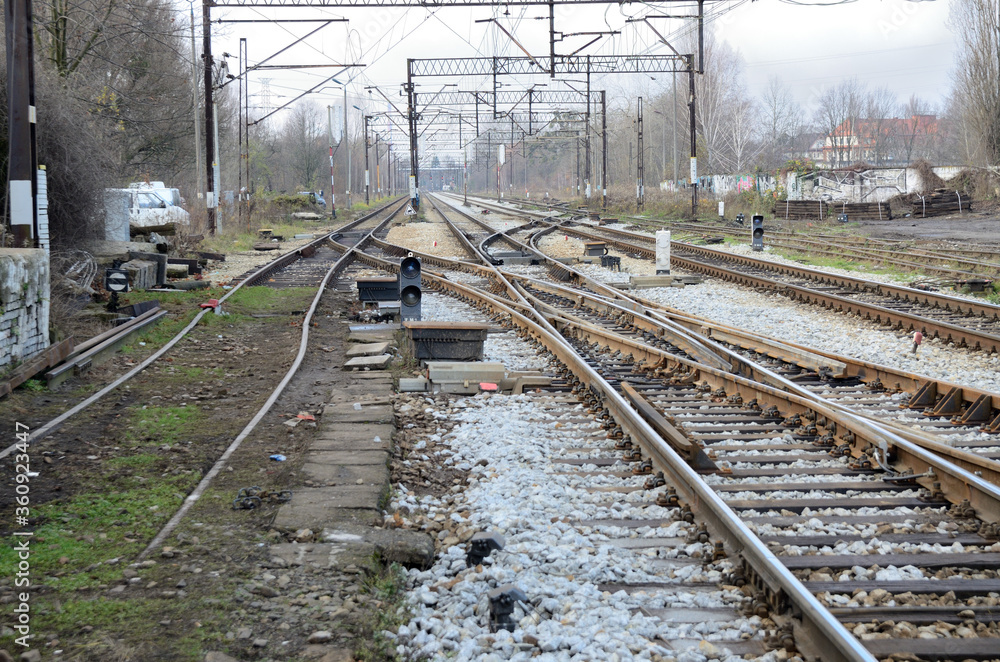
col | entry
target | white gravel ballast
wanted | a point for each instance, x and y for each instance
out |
(511, 447)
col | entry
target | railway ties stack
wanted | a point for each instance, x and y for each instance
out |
(941, 202)
(862, 211)
(801, 210)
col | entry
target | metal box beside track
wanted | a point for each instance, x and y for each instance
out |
(378, 289)
(446, 341)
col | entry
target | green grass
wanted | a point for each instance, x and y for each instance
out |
(268, 300)
(33, 385)
(115, 518)
(161, 425)
(386, 585)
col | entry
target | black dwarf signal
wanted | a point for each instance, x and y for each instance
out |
(409, 289)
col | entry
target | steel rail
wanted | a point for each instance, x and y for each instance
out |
(54, 424)
(963, 336)
(818, 629)
(220, 463)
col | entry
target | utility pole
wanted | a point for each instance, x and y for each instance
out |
(347, 140)
(640, 170)
(673, 154)
(194, 106)
(333, 191)
(367, 179)
(211, 201)
(586, 166)
(604, 150)
(22, 164)
(378, 171)
(694, 140)
(465, 164)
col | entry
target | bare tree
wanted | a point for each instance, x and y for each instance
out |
(741, 139)
(878, 131)
(918, 136)
(977, 76)
(838, 113)
(716, 90)
(302, 145)
(781, 120)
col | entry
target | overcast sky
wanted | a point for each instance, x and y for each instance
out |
(905, 46)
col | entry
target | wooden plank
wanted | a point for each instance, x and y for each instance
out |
(846, 561)
(167, 229)
(937, 650)
(797, 505)
(916, 615)
(963, 588)
(100, 353)
(50, 356)
(829, 540)
(110, 333)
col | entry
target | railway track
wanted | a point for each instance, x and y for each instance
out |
(834, 485)
(957, 267)
(964, 322)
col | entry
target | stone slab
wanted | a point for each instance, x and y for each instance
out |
(348, 457)
(358, 436)
(346, 413)
(367, 349)
(329, 474)
(387, 335)
(318, 507)
(379, 362)
(374, 392)
(409, 548)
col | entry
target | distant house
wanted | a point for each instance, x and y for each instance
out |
(888, 141)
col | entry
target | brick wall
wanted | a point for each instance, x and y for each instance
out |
(24, 305)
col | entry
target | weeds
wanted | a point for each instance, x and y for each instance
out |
(385, 585)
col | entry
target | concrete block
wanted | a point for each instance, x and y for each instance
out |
(456, 371)
(380, 362)
(177, 270)
(358, 436)
(320, 507)
(116, 212)
(333, 473)
(346, 413)
(643, 282)
(367, 349)
(141, 274)
(413, 384)
(159, 258)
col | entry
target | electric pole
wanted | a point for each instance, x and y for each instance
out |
(22, 168)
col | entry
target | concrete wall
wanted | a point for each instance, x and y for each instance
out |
(24, 304)
(872, 185)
